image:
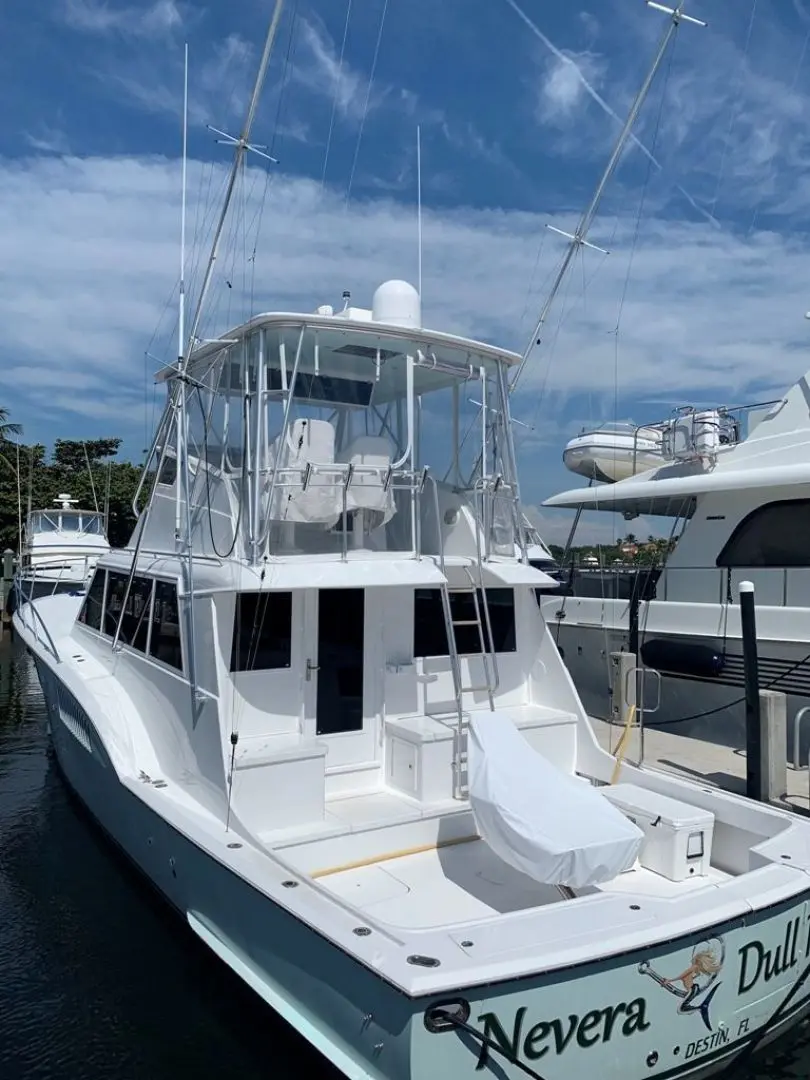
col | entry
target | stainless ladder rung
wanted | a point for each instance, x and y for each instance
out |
(466, 622)
(476, 689)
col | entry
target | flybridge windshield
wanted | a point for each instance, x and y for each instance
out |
(42, 521)
(317, 438)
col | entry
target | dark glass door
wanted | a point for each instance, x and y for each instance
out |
(340, 661)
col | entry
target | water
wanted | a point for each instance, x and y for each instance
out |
(98, 979)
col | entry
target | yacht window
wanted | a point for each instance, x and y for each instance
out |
(168, 471)
(772, 535)
(262, 631)
(164, 641)
(116, 587)
(430, 639)
(70, 522)
(135, 623)
(93, 604)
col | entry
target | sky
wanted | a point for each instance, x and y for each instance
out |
(700, 299)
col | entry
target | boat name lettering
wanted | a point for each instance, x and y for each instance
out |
(701, 1046)
(759, 964)
(594, 1027)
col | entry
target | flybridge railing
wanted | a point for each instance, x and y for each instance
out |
(777, 586)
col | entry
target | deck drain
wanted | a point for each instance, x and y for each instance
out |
(290, 884)
(467, 944)
(361, 931)
(234, 845)
(635, 907)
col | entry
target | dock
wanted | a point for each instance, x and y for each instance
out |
(711, 763)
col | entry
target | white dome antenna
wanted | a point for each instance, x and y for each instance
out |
(397, 303)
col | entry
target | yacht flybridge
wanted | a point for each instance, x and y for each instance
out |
(315, 700)
(61, 548)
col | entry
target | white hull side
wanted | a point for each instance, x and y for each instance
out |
(319, 989)
(372, 1031)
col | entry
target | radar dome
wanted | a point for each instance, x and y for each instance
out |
(398, 304)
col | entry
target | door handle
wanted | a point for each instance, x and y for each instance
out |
(310, 668)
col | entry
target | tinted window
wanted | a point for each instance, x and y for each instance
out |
(135, 624)
(116, 587)
(90, 614)
(70, 522)
(262, 630)
(774, 535)
(164, 643)
(430, 639)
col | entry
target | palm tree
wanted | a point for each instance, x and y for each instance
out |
(6, 428)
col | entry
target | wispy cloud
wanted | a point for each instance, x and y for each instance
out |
(48, 141)
(564, 83)
(323, 73)
(141, 21)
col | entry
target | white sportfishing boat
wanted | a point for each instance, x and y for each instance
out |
(316, 702)
(61, 548)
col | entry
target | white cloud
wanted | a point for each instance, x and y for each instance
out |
(323, 73)
(49, 140)
(563, 85)
(93, 243)
(144, 21)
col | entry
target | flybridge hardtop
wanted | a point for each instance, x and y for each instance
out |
(361, 319)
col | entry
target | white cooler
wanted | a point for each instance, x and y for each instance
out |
(677, 837)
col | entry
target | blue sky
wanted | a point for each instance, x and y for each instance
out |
(519, 102)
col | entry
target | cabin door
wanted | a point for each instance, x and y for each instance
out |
(338, 679)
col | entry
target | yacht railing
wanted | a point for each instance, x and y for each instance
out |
(776, 585)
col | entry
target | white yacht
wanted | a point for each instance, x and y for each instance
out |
(738, 509)
(61, 547)
(316, 702)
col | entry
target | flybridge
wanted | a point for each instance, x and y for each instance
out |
(328, 433)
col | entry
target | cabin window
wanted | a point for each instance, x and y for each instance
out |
(93, 604)
(116, 587)
(430, 639)
(164, 641)
(135, 623)
(262, 631)
(772, 535)
(168, 471)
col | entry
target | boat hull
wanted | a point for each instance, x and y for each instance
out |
(552, 1024)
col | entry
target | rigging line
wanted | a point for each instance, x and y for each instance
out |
(367, 101)
(636, 232)
(735, 108)
(540, 247)
(338, 77)
(256, 224)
